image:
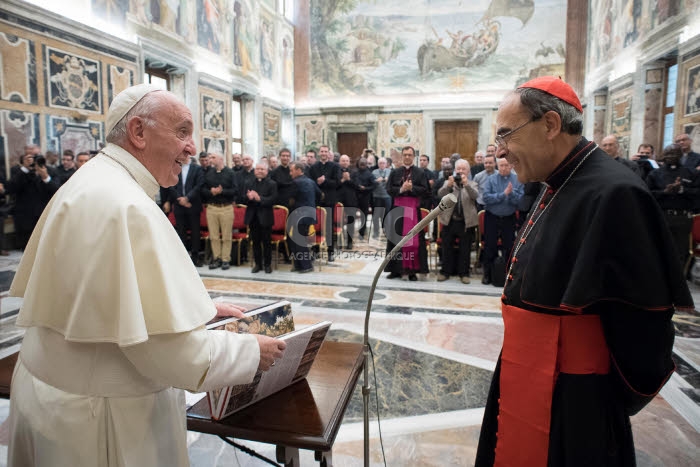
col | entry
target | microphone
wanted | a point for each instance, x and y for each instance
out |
(448, 201)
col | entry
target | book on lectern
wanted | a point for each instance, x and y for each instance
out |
(303, 345)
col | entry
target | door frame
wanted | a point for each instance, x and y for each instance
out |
(485, 118)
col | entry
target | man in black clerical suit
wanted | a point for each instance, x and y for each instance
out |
(347, 194)
(186, 202)
(32, 186)
(593, 283)
(326, 174)
(407, 185)
(261, 193)
(286, 188)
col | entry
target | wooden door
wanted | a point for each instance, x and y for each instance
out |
(452, 136)
(352, 144)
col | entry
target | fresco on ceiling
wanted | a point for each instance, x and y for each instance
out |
(619, 24)
(427, 46)
(245, 42)
(112, 11)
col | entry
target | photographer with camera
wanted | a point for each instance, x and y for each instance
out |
(675, 188)
(458, 223)
(32, 187)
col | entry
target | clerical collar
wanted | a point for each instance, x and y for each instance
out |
(134, 167)
(569, 164)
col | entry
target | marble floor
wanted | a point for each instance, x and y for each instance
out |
(435, 346)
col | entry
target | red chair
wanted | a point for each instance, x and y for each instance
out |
(426, 235)
(318, 239)
(240, 230)
(204, 234)
(279, 229)
(171, 217)
(338, 227)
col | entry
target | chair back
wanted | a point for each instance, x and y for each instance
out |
(239, 216)
(424, 212)
(320, 225)
(171, 217)
(280, 214)
(480, 233)
(338, 215)
(203, 219)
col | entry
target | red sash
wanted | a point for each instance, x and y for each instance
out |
(536, 348)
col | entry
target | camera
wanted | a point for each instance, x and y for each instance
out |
(39, 161)
(458, 178)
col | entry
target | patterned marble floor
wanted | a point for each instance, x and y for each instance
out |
(435, 347)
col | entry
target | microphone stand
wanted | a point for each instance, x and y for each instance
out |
(447, 201)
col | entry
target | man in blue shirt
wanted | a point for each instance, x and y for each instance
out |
(501, 197)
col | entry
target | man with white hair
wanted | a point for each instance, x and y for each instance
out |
(218, 192)
(115, 310)
(478, 164)
(261, 193)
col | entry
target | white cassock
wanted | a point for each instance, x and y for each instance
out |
(115, 312)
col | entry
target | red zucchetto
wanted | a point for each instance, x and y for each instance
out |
(556, 87)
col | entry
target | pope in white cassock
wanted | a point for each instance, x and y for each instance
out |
(114, 308)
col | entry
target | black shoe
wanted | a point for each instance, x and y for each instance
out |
(304, 271)
(331, 257)
(215, 264)
(412, 277)
(486, 280)
(268, 270)
(225, 265)
(394, 275)
(255, 269)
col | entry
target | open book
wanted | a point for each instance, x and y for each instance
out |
(302, 347)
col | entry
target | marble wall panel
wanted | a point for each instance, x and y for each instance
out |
(73, 81)
(18, 70)
(119, 79)
(398, 130)
(311, 132)
(215, 115)
(66, 133)
(620, 118)
(17, 129)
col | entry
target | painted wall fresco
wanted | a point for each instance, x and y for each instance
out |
(267, 47)
(245, 39)
(427, 46)
(619, 24)
(286, 58)
(213, 22)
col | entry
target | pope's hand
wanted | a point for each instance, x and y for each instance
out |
(224, 309)
(270, 350)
